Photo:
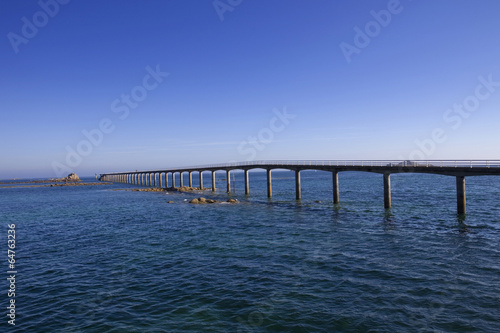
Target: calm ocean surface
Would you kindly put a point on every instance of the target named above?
(96, 259)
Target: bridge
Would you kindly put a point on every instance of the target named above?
(455, 168)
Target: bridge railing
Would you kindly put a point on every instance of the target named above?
(340, 163)
(373, 163)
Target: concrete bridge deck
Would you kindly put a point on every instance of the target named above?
(456, 168)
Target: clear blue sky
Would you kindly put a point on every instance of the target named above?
(231, 66)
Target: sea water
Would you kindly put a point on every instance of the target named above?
(104, 258)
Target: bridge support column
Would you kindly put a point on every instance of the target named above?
(247, 186)
(335, 177)
(190, 179)
(461, 199)
(228, 180)
(201, 179)
(298, 192)
(269, 184)
(387, 190)
(213, 181)
(173, 179)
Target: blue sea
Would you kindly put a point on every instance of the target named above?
(103, 259)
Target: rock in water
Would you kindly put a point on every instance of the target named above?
(72, 177)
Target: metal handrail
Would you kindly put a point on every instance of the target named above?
(322, 163)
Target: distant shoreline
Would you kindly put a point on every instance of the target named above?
(52, 185)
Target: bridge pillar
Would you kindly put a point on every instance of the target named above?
(247, 186)
(201, 179)
(298, 192)
(461, 199)
(269, 184)
(335, 177)
(190, 179)
(213, 181)
(387, 190)
(228, 180)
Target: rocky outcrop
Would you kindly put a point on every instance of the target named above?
(152, 189)
(187, 189)
(210, 201)
(72, 177)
